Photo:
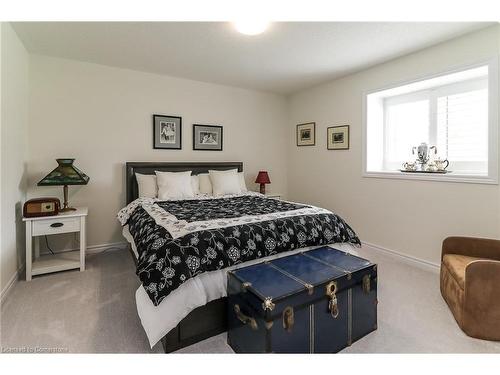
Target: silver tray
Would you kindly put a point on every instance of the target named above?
(430, 172)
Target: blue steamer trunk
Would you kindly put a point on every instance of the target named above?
(316, 301)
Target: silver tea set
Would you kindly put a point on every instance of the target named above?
(426, 160)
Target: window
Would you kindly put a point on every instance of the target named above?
(455, 112)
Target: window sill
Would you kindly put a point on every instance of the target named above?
(449, 177)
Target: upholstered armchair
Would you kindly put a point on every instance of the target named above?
(470, 284)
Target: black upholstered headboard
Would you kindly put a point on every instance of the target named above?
(151, 167)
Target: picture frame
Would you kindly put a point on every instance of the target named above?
(167, 132)
(338, 137)
(207, 137)
(306, 134)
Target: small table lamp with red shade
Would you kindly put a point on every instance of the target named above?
(263, 179)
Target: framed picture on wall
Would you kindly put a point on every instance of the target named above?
(338, 137)
(207, 137)
(167, 132)
(306, 134)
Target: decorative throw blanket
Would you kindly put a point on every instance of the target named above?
(177, 240)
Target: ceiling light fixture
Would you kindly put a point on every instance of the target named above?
(251, 27)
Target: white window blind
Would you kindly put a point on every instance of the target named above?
(462, 129)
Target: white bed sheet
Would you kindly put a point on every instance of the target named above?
(157, 321)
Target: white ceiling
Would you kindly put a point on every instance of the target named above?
(288, 57)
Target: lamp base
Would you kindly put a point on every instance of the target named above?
(66, 207)
(263, 188)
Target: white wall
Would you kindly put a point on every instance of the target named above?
(412, 217)
(102, 116)
(14, 122)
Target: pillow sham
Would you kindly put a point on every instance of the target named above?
(147, 185)
(205, 184)
(174, 185)
(243, 185)
(195, 184)
(225, 182)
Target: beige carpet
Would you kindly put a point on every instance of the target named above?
(94, 311)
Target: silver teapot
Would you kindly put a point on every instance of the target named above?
(423, 153)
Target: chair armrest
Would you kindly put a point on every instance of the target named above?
(473, 247)
(482, 297)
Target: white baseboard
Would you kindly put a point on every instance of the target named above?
(10, 285)
(94, 249)
(434, 267)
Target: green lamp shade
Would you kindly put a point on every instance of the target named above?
(65, 174)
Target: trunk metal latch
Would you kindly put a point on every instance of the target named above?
(245, 319)
(366, 284)
(331, 290)
(288, 318)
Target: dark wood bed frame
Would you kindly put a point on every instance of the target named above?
(205, 321)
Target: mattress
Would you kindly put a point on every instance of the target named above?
(157, 321)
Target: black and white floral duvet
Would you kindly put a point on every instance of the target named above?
(178, 240)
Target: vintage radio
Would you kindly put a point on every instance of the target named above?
(41, 207)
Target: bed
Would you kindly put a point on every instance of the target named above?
(183, 302)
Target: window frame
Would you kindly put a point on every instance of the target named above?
(493, 108)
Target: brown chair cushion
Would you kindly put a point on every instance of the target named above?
(456, 265)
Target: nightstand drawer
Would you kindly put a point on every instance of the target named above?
(56, 225)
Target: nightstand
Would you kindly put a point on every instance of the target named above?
(66, 222)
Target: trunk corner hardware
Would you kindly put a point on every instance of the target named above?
(268, 304)
(245, 286)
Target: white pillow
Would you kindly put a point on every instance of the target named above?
(174, 185)
(147, 185)
(225, 182)
(205, 184)
(195, 184)
(243, 185)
